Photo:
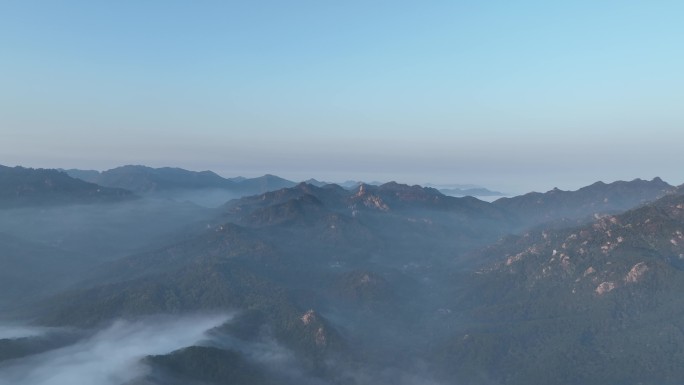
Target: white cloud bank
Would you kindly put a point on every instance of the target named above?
(20, 331)
(111, 356)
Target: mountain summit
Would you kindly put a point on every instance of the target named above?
(582, 204)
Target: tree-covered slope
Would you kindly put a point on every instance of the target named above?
(598, 198)
(594, 304)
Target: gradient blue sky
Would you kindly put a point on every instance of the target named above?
(513, 95)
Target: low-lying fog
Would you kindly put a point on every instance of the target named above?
(110, 356)
(10, 331)
(105, 231)
(208, 198)
(113, 355)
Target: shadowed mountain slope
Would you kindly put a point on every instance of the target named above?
(598, 198)
(142, 179)
(595, 304)
(23, 187)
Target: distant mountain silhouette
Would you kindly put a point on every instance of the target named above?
(460, 190)
(142, 179)
(86, 175)
(315, 182)
(598, 198)
(477, 192)
(262, 184)
(21, 187)
(166, 180)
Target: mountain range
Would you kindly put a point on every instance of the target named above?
(44, 187)
(201, 187)
(598, 198)
(384, 283)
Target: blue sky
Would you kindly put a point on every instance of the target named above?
(513, 95)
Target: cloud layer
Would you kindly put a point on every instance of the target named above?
(111, 356)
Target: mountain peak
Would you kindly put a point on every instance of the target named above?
(598, 197)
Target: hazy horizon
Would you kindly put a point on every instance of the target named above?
(514, 97)
(446, 184)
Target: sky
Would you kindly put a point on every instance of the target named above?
(512, 95)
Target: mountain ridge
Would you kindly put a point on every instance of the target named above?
(20, 187)
(144, 179)
(582, 204)
(339, 276)
(594, 304)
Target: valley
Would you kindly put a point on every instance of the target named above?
(324, 284)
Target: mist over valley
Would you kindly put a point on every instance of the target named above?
(324, 284)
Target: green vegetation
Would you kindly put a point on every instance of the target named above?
(211, 365)
(548, 305)
(378, 283)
